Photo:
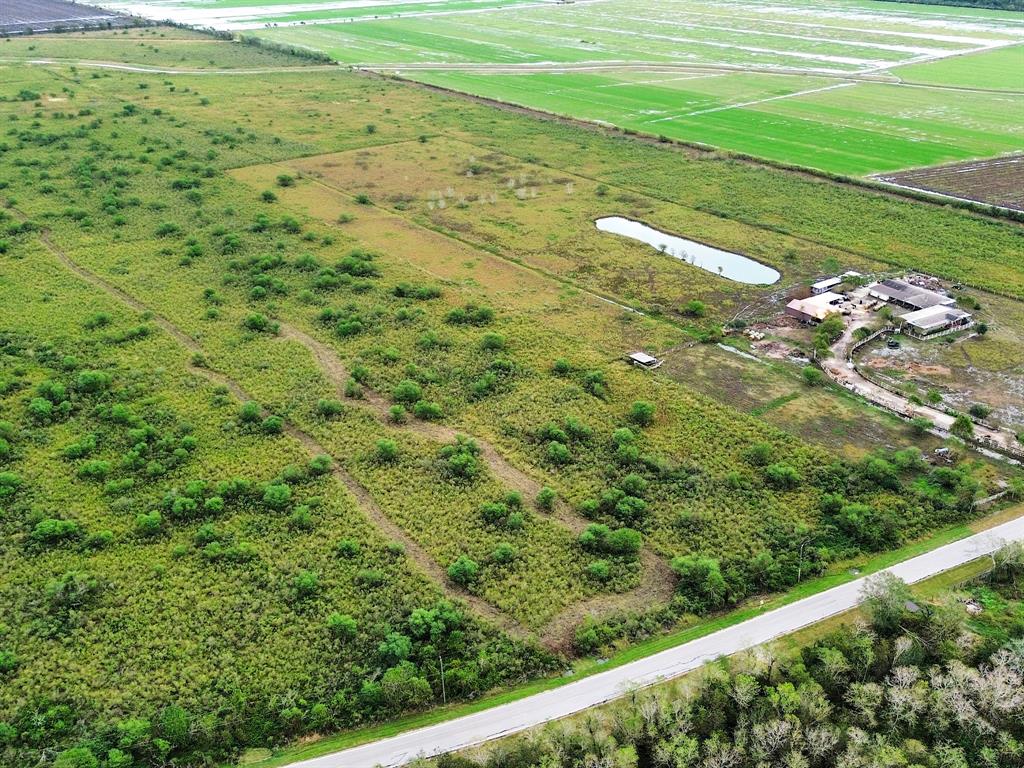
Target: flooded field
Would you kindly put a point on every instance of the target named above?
(732, 266)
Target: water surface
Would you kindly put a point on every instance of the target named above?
(732, 266)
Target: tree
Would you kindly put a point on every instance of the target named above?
(79, 757)
(402, 688)
(464, 571)
(701, 584)
(885, 600)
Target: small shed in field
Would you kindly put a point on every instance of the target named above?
(643, 360)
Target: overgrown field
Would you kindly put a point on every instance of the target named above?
(796, 82)
(281, 435)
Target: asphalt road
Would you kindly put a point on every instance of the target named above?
(596, 689)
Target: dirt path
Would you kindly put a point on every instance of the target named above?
(362, 496)
(656, 586)
(657, 582)
(839, 367)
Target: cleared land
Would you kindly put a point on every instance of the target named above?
(797, 82)
(28, 16)
(999, 181)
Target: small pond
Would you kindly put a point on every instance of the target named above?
(729, 265)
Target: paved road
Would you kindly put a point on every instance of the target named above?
(588, 692)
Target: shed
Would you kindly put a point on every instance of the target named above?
(825, 285)
(643, 360)
(924, 322)
(908, 295)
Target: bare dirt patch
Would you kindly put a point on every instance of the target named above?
(995, 181)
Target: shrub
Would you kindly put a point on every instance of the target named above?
(782, 476)
(503, 553)
(557, 453)
(277, 495)
(259, 324)
(464, 571)
(8, 662)
(962, 427)
(285, 180)
(642, 413)
(272, 425)
(347, 548)
(407, 391)
(250, 413)
(149, 524)
(759, 454)
(599, 570)
(55, 531)
(79, 757)
(561, 367)
(341, 626)
(387, 450)
(979, 410)
(695, 308)
(319, 465)
(301, 518)
(328, 408)
(427, 411)
(470, 314)
(306, 584)
(492, 342)
(546, 498)
(812, 376)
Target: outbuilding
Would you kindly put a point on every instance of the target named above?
(932, 320)
(644, 360)
(908, 295)
(814, 309)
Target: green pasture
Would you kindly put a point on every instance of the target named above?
(851, 128)
(999, 69)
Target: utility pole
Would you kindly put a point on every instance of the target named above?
(444, 693)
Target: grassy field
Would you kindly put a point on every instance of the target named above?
(211, 277)
(826, 88)
(701, 72)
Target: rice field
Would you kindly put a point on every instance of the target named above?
(849, 86)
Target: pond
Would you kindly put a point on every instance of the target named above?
(732, 266)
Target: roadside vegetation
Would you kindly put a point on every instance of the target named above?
(935, 683)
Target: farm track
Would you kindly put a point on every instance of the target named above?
(657, 582)
(362, 496)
